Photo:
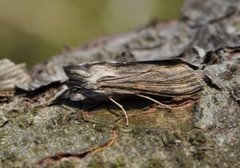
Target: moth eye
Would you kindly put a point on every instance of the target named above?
(73, 89)
(77, 97)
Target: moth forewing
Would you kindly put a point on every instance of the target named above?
(178, 80)
(174, 78)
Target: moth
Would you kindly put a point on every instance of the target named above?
(174, 79)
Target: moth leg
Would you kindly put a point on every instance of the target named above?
(120, 106)
(155, 101)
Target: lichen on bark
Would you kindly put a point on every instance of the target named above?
(202, 133)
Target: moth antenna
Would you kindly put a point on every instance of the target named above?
(120, 106)
(155, 101)
(57, 95)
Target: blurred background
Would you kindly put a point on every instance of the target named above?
(31, 30)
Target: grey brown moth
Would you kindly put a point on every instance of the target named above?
(173, 78)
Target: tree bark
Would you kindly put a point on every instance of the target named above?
(203, 133)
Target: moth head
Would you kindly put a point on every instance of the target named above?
(76, 71)
(87, 76)
(80, 77)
